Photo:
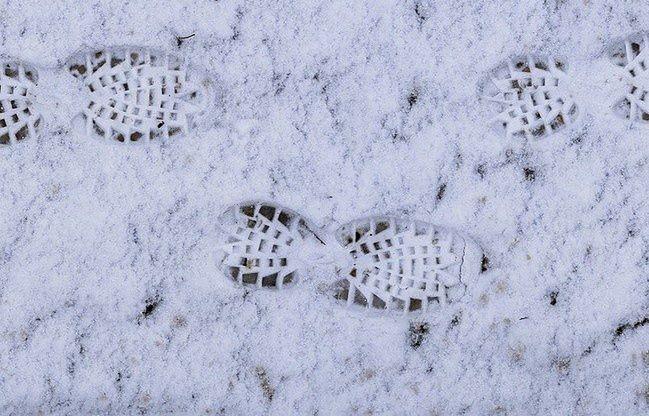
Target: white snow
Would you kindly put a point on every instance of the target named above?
(111, 300)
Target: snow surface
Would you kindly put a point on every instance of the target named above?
(111, 301)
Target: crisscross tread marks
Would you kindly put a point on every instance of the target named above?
(137, 94)
(534, 102)
(400, 265)
(18, 119)
(632, 56)
(261, 244)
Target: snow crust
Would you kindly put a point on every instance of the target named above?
(111, 301)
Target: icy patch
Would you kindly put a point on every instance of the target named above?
(18, 119)
(138, 94)
(533, 99)
(631, 55)
(404, 265)
(265, 244)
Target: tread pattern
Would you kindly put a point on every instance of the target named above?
(400, 265)
(18, 119)
(262, 244)
(137, 94)
(534, 103)
(632, 56)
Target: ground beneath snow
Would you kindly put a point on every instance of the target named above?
(111, 301)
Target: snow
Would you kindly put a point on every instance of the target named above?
(312, 110)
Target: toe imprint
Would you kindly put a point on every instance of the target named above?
(18, 119)
(401, 265)
(534, 101)
(137, 94)
(263, 244)
(631, 55)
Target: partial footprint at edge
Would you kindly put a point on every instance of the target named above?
(534, 102)
(265, 244)
(18, 118)
(405, 265)
(137, 94)
(632, 56)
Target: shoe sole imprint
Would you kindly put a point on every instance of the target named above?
(405, 265)
(534, 102)
(631, 55)
(263, 244)
(18, 118)
(138, 93)
(385, 263)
